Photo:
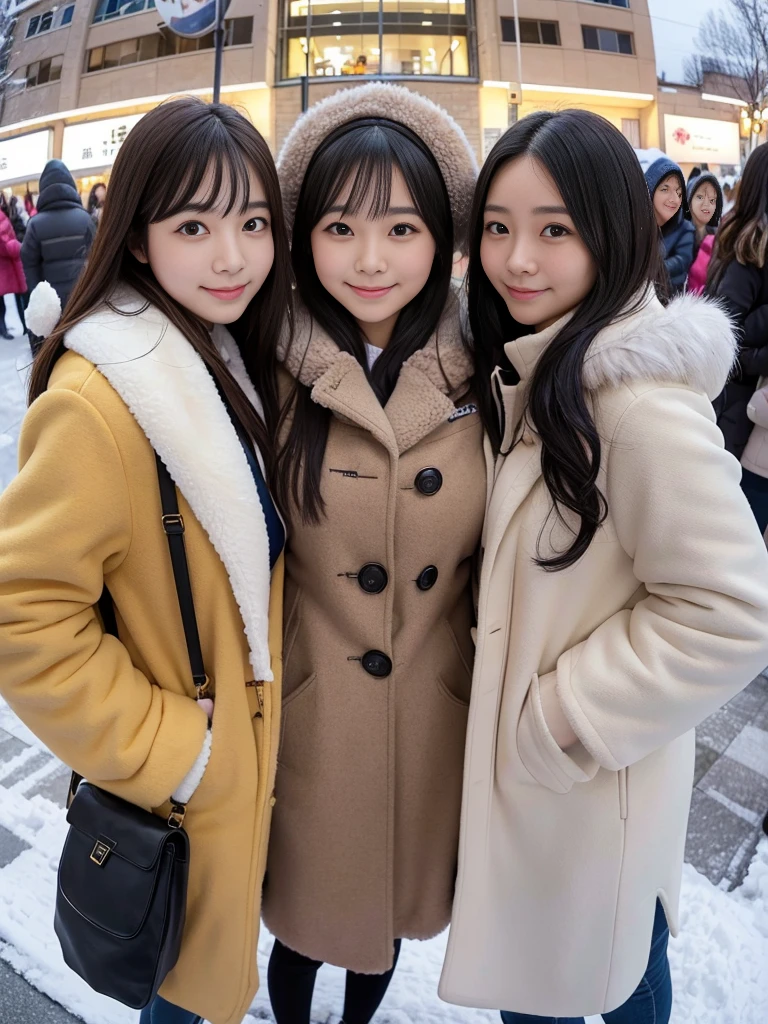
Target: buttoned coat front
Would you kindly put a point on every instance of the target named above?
(365, 829)
(84, 510)
(664, 618)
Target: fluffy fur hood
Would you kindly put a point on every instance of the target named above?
(445, 139)
(444, 360)
(690, 342)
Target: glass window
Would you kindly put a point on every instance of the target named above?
(550, 35)
(33, 25)
(165, 43)
(538, 32)
(608, 40)
(32, 71)
(336, 38)
(56, 65)
(630, 129)
(613, 3)
(46, 20)
(43, 71)
(66, 14)
(107, 9)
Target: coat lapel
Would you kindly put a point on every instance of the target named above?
(174, 399)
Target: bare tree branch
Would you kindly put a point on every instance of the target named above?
(733, 48)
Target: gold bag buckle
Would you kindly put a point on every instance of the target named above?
(102, 850)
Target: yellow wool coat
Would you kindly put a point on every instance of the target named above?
(84, 510)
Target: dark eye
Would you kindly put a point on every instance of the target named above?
(255, 225)
(555, 231)
(192, 229)
(340, 229)
(402, 230)
(495, 228)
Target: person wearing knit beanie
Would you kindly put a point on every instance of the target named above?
(384, 474)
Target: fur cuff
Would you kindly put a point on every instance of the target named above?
(194, 776)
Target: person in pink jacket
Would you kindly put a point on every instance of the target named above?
(12, 281)
(705, 201)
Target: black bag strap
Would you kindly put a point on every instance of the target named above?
(173, 524)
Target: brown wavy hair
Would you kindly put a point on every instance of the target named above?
(156, 174)
(743, 235)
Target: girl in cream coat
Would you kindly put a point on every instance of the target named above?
(623, 594)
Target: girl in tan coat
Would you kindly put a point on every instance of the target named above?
(623, 591)
(386, 489)
(191, 240)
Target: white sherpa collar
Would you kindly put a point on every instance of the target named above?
(690, 342)
(174, 399)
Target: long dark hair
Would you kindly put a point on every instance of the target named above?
(93, 201)
(157, 173)
(598, 175)
(362, 153)
(743, 235)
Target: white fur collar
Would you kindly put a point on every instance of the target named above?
(690, 342)
(174, 399)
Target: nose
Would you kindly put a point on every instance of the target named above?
(369, 258)
(519, 260)
(228, 258)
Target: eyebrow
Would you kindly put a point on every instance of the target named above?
(256, 204)
(492, 208)
(398, 211)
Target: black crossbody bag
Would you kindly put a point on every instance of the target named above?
(122, 885)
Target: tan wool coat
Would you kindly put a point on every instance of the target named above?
(365, 830)
(84, 509)
(661, 621)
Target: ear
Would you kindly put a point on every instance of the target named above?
(137, 251)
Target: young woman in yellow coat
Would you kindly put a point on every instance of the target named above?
(192, 238)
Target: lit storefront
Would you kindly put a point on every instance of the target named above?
(398, 38)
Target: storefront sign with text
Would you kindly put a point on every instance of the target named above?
(23, 158)
(95, 144)
(696, 140)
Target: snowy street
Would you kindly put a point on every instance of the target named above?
(718, 961)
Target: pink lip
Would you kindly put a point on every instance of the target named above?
(371, 293)
(227, 294)
(524, 294)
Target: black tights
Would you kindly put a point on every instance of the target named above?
(291, 980)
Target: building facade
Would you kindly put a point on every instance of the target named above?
(79, 74)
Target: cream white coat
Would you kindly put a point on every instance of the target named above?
(665, 617)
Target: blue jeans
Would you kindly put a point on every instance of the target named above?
(161, 1012)
(650, 1003)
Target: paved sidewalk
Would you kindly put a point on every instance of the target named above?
(730, 795)
(22, 1004)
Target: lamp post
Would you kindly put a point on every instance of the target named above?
(753, 120)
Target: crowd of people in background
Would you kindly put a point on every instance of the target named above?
(715, 242)
(45, 237)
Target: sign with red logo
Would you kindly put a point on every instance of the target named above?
(696, 140)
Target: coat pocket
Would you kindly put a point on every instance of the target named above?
(292, 730)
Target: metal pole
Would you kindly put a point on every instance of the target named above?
(218, 38)
(305, 76)
(519, 52)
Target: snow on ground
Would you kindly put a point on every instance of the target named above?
(15, 358)
(718, 961)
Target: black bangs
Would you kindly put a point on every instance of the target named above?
(361, 158)
(209, 154)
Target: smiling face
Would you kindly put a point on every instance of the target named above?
(530, 250)
(667, 199)
(374, 267)
(704, 204)
(210, 261)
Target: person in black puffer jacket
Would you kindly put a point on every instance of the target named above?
(60, 234)
(670, 205)
(738, 276)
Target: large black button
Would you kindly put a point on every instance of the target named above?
(372, 578)
(427, 578)
(377, 664)
(429, 481)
